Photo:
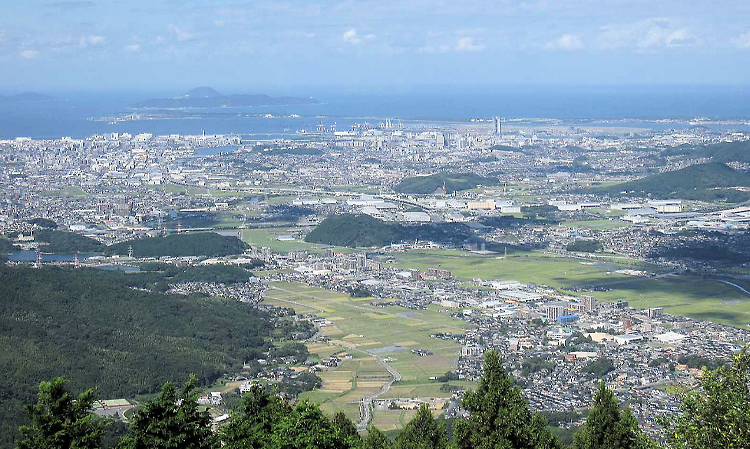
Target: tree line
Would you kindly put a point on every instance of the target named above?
(90, 327)
(716, 415)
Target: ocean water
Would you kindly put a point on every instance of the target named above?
(68, 114)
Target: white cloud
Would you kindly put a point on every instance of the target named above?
(434, 49)
(742, 41)
(29, 54)
(133, 48)
(351, 37)
(658, 32)
(181, 35)
(91, 40)
(565, 42)
(467, 44)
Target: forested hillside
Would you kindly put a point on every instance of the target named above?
(87, 326)
(364, 231)
(194, 244)
(452, 182)
(709, 182)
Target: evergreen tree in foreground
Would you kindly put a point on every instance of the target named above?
(172, 421)
(423, 432)
(377, 440)
(500, 416)
(269, 422)
(718, 416)
(253, 428)
(608, 427)
(60, 422)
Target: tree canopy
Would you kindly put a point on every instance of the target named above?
(60, 421)
(718, 415)
(500, 416)
(608, 427)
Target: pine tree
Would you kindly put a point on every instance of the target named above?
(345, 430)
(423, 432)
(718, 416)
(60, 422)
(305, 428)
(608, 427)
(377, 440)
(172, 420)
(253, 428)
(500, 417)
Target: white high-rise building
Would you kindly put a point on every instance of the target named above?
(498, 126)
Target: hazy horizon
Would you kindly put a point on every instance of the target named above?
(170, 45)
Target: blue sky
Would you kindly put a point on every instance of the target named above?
(289, 44)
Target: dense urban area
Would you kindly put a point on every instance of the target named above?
(385, 260)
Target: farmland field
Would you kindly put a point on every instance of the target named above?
(686, 295)
(365, 332)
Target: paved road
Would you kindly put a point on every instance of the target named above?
(365, 405)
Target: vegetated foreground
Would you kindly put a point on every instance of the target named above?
(499, 417)
(88, 326)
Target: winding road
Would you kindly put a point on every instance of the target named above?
(365, 405)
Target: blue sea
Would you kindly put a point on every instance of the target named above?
(70, 114)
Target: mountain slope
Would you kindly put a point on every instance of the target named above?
(177, 245)
(707, 182)
(87, 326)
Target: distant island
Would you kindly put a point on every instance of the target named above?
(207, 97)
(24, 97)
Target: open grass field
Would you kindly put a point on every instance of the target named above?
(704, 299)
(268, 237)
(538, 268)
(364, 332)
(684, 295)
(69, 191)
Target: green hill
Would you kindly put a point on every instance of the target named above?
(365, 231)
(713, 181)
(66, 242)
(177, 245)
(718, 152)
(6, 246)
(354, 231)
(87, 326)
(453, 182)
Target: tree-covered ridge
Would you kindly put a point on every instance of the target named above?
(584, 246)
(156, 276)
(365, 231)
(452, 182)
(6, 246)
(86, 326)
(736, 151)
(710, 181)
(176, 245)
(43, 223)
(355, 230)
(53, 241)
